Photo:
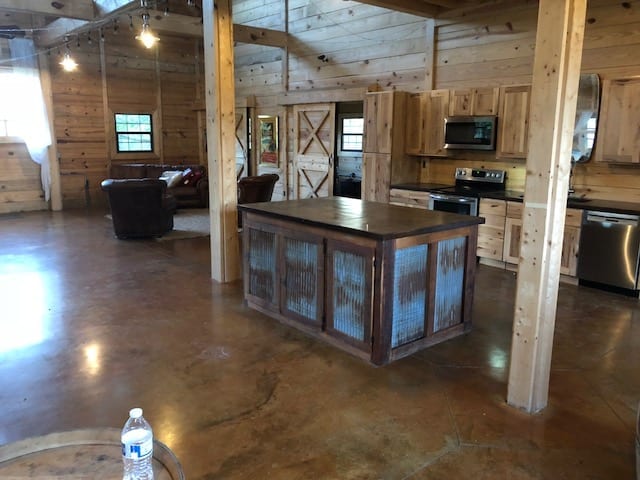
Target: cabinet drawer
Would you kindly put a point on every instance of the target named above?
(409, 198)
(573, 217)
(514, 209)
(492, 207)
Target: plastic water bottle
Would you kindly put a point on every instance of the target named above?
(137, 447)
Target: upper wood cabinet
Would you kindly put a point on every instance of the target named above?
(618, 134)
(384, 160)
(425, 114)
(474, 101)
(513, 122)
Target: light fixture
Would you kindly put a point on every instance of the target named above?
(146, 36)
(68, 63)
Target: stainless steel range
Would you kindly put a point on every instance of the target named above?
(463, 197)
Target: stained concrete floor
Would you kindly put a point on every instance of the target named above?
(91, 326)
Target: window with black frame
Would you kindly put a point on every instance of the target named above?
(134, 132)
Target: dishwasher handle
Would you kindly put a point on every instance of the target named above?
(609, 219)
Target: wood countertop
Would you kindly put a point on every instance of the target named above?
(361, 217)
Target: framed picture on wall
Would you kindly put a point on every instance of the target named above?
(268, 135)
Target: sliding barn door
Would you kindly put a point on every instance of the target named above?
(314, 127)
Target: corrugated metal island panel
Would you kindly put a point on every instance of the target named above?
(349, 294)
(301, 266)
(449, 283)
(262, 265)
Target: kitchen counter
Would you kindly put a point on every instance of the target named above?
(377, 280)
(577, 202)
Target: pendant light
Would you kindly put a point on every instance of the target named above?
(146, 36)
(67, 62)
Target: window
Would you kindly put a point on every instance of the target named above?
(351, 134)
(134, 132)
(10, 104)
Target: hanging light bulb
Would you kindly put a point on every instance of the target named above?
(146, 36)
(67, 62)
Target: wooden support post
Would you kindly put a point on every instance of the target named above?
(220, 105)
(556, 72)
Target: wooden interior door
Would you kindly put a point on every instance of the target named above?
(314, 127)
(242, 144)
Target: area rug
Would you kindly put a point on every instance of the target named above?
(187, 223)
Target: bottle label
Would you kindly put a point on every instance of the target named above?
(139, 450)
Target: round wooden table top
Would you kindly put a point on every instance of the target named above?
(79, 454)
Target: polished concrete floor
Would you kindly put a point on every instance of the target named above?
(91, 326)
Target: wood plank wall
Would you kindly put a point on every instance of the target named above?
(165, 81)
(20, 187)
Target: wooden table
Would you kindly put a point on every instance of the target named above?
(93, 453)
(380, 281)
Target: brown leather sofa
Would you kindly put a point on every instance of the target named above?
(189, 193)
(140, 207)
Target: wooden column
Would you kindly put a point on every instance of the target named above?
(556, 72)
(220, 106)
(430, 54)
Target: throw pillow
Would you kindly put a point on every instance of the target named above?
(173, 178)
(191, 177)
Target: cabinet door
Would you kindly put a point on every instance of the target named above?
(302, 275)
(513, 124)
(460, 102)
(349, 292)
(484, 101)
(570, 244)
(376, 175)
(378, 111)
(414, 143)
(261, 280)
(618, 132)
(512, 232)
(437, 110)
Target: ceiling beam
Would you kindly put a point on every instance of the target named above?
(413, 7)
(260, 36)
(79, 9)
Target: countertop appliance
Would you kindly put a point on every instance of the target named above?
(470, 132)
(463, 196)
(610, 250)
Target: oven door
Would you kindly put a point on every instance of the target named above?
(454, 204)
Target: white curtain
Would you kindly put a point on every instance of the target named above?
(31, 120)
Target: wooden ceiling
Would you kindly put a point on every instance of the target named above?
(48, 21)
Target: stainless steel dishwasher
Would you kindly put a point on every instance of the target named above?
(610, 249)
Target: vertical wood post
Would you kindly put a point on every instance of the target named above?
(52, 151)
(556, 73)
(430, 54)
(221, 123)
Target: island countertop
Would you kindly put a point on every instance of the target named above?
(371, 219)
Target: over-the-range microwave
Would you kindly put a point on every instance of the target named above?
(470, 132)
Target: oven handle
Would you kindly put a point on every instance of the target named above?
(453, 199)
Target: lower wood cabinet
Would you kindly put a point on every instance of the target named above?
(491, 233)
(570, 242)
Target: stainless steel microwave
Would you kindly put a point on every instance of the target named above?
(470, 132)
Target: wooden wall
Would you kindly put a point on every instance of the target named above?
(120, 75)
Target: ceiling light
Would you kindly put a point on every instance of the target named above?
(146, 36)
(68, 63)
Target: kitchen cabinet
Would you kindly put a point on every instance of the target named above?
(570, 241)
(618, 134)
(409, 198)
(513, 123)
(384, 161)
(491, 233)
(425, 116)
(474, 101)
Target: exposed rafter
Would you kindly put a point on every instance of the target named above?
(81, 9)
(414, 7)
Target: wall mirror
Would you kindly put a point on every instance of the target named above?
(587, 107)
(268, 140)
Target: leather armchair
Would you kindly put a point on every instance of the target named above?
(255, 189)
(140, 207)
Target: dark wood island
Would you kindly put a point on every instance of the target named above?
(380, 281)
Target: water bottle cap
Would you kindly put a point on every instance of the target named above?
(135, 412)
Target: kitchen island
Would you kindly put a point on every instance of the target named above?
(379, 281)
